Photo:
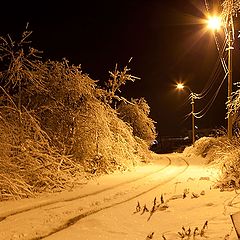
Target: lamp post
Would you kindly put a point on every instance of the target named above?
(181, 86)
(215, 24)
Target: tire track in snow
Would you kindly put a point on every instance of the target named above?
(48, 203)
(74, 220)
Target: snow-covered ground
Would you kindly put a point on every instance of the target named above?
(177, 192)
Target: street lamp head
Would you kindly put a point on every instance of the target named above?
(180, 86)
(214, 23)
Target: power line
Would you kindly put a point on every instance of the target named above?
(214, 76)
(204, 111)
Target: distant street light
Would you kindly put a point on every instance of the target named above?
(181, 86)
(215, 24)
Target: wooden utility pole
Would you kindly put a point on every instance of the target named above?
(193, 118)
(230, 50)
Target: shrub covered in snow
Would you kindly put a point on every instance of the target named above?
(229, 160)
(206, 147)
(222, 152)
(136, 114)
(56, 124)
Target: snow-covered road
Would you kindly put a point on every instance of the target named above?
(175, 190)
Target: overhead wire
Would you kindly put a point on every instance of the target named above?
(221, 51)
(214, 76)
(212, 81)
(186, 101)
(186, 117)
(204, 111)
(215, 73)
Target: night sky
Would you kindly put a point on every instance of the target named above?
(166, 40)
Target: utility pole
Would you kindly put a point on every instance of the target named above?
(181, 86)
(227, 21)
(230, 49)
(193, 118)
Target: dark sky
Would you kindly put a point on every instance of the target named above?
(166, 40)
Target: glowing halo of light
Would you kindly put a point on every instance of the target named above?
(180, 86)
(214, 23)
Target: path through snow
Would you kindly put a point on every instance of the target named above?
(177, 193)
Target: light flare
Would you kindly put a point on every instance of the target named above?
(214, 23)
(180, 86)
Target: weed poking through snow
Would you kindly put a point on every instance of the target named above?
(138, 208)
(161, 199)
(191, 234)
(160, 206)
(150, 236)
(145, 209)
(163, 237)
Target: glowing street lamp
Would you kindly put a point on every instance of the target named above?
(215, 23)
(181, 86)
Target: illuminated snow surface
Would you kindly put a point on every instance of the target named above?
(106, 207)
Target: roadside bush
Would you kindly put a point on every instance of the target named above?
(229, 161)
(103, 141)
(224, 154)
(57, 126)
(28, 163)
(136, 114)
(206, 147)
